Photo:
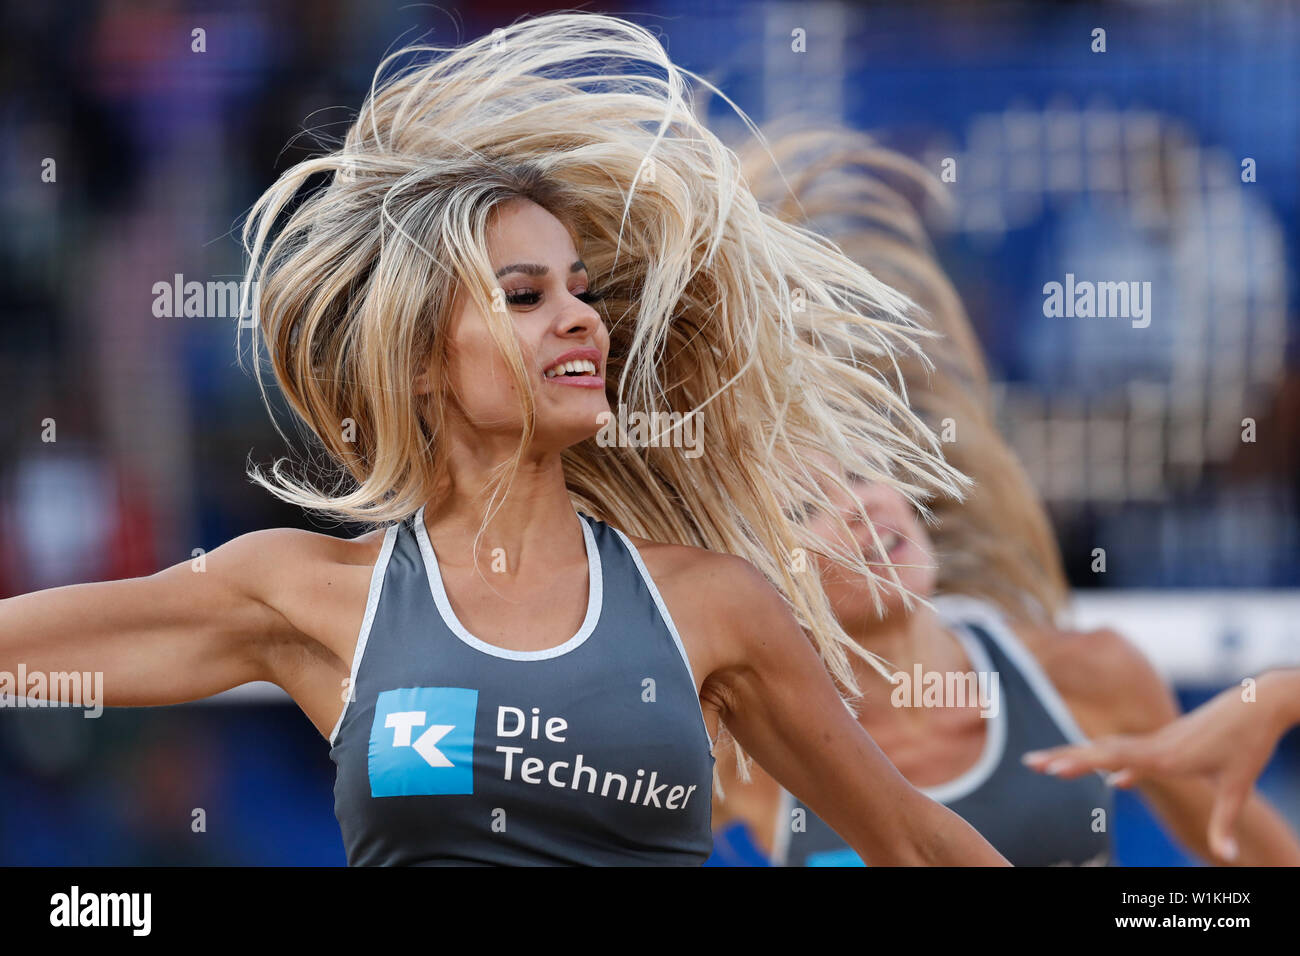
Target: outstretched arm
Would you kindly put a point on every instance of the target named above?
(1114, 690)
(778, 701)
(1227, 741)
(175, 636)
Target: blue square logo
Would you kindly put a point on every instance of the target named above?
(422, 741)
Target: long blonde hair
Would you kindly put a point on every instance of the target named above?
(997, 543)
(716, 308)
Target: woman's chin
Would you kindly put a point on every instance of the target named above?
(557, 436)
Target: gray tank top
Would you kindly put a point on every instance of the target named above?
(1030, 818)
(453, 751)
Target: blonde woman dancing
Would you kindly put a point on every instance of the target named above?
(530, 658)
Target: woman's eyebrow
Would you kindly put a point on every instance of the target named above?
(534, 269)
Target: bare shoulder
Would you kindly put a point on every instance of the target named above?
(669, 559)
(715, 599)
(307, 593)
(313, 581)
(269, 561)
(272, 545)
(721, 580)
(1106, 680)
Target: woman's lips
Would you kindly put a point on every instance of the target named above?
(892, 544)
(579, 381)
(578, 367)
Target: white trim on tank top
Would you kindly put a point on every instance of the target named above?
(372, 606)
(595, 597)
(992, 620)
(668, 622)
(950, 791)
(995, 741)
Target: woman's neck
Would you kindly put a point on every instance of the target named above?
(532, 523)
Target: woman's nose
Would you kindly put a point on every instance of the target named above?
(578, 320)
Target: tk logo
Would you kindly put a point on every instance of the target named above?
(422, 742)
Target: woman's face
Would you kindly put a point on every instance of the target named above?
(563, 339)
(904, 541)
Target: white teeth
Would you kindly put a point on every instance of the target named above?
(585, 366)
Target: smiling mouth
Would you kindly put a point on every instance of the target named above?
(891, 542)
(573, 369)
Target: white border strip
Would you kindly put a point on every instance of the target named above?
(995, 743)
(595, 598)
(668, 622)
(1211, 638)
(372, 607)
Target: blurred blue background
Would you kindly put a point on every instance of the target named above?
(1120, 165)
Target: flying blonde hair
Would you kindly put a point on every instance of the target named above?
(997, 543)
(716, 308)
